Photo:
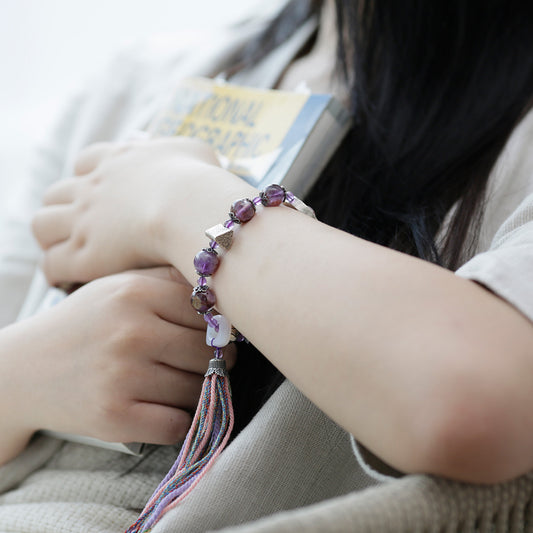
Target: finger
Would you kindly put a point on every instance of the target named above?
(62, 192)
(165, 385)
(169, 300)
(172, 304)
(91, 156)
(187, 350)
(176, 306)
(156, 424)
(52, 224)
(62, 263)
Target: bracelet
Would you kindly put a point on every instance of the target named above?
(213, 421)
(206, 262)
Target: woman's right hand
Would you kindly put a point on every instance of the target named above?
(121, 359)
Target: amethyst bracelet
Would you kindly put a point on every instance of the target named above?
(206, 262)
(213, 421)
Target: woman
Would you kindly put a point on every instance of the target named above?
(426, 369)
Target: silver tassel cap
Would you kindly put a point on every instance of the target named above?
(218, 367)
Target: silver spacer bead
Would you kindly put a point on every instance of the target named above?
(300, 206)
(221, 235)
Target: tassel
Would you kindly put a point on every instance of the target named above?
(207, 437)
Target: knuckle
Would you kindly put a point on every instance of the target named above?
(122, 340)
(82, 204)
(91, 157)
(80, 270)
(126, 286)
(130, 336)
(121, 148)
(173, 274)
(95, 178)
(50, 194)
(79, 165)
(131, 282)
(109, 410)
(47, 266)
(78, 238)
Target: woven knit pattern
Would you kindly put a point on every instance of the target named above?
(414, 504)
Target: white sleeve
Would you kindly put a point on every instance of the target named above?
(19, 252)
(506, 268)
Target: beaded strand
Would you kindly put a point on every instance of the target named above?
(206, 262)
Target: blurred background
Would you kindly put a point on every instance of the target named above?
(48, 47)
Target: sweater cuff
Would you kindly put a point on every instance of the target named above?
(36, 454)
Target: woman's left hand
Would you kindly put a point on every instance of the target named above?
(105, 219)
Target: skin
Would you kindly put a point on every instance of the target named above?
(121, 359)
(430, 371)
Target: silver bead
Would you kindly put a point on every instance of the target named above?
(221, 235)
(300, 206)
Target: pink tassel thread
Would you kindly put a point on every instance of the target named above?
(207, 437)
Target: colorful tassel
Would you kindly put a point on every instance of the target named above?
(207, 437)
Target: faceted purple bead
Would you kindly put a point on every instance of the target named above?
(243, 209)
(273, 195)
(203, 300)
(206, 262)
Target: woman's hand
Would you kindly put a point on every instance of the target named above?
(105, 220)
(121, 359)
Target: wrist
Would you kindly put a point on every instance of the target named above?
(179, 228)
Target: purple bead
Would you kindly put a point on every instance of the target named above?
(273, 195)
(243, 209)
(206, 262)
(208, 317)
(203, 300)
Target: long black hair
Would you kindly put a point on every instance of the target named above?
(435, 89)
